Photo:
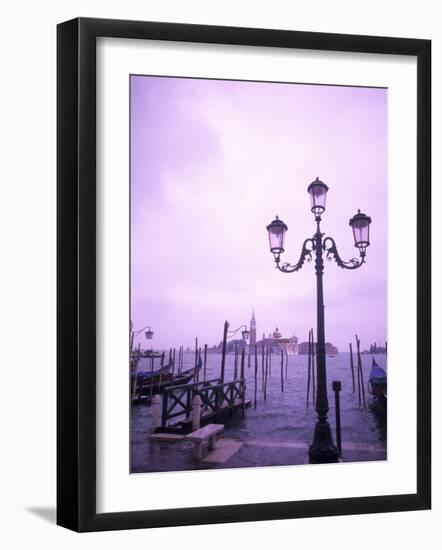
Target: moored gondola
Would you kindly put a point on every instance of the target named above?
(147, 383)
(377, 386)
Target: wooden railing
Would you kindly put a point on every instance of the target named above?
(216, 397)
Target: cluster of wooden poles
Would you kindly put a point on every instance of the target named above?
(263, 355)
(200, 361)
(266, 369)
(360, 374)
(239, 365)
(311, 371)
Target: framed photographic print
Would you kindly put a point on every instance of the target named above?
(243, 274)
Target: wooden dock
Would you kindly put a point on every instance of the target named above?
(218, 398)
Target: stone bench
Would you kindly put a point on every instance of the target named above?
(201, 435)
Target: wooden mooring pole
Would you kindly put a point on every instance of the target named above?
(256, 372)
(235, 365)
(196, 353)
(243, 382)
(198, 368)
(161, 370)
(282, 370)
(224, 349)
(151, 375)
(266, 374)
(313, 369)
(205, 362)
(359, 383)
(262, 367)
(337, 389)
(352, 367)
(358, 345)
(309, 365)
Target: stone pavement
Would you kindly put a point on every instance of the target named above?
(175, 454)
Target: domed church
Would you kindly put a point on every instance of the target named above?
(275, 342)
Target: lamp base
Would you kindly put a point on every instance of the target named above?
(323, 450)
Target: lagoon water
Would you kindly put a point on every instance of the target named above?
(280, 429)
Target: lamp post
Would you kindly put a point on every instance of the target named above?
(148, 334)
(227, 335)
(322, 449)
(245, 332)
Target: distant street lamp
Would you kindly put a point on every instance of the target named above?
(244, 333)
(227, 335)
(322, 449)
(148, 334)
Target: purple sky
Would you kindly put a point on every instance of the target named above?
(212, 163)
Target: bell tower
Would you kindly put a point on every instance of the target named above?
(252, 332)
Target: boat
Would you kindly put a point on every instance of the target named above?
(186, 376)
(183, 377)
(147, 383)
(150, 377)
(150, 353)
(377, 386)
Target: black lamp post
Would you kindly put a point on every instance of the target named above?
(227, 335)
(245, 332)
(322, 449)
(148, 334)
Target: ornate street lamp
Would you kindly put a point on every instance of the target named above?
(318, 194)
(322, 449)
(277, 231)
(244, 333)
(360, 223)
(148, 334)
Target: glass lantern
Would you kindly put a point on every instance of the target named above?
(318, 194)
(277, 231)
(360, 223)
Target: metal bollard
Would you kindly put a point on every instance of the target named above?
(156, 413)
(337, 389)
(196, 413)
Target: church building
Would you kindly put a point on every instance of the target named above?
(275, 342)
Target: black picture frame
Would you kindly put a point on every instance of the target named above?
(77, 287)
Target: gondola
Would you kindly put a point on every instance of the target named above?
(183, 377)
(377, 386)
(147, 383)
(186, 376)
(152, 377)
(152, 354)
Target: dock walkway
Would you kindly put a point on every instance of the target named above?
(217, 399)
